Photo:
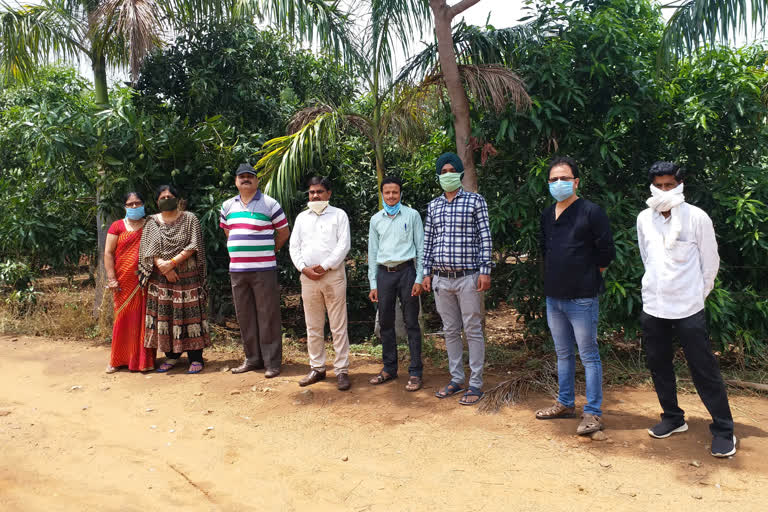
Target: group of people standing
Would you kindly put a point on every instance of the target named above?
(156, 268)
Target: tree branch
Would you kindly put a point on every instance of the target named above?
(461, 7)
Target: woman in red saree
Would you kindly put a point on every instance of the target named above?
(121, 260)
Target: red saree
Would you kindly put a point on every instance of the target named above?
(130, 305)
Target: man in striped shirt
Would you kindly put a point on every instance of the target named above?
(256, 228)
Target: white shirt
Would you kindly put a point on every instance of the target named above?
(677, 280)
(320, 239)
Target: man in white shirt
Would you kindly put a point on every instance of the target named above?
(679, 251)
(319, 243)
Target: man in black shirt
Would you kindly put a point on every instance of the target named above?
(577, 246)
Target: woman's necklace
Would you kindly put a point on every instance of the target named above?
(135, 225)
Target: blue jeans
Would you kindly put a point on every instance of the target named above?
(574, 322)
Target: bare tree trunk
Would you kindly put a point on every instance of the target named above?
(102, 100)
(444, 15)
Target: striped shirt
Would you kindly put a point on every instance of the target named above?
(252, 226)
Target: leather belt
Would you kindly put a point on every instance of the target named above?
(397, 268)
(456, 274)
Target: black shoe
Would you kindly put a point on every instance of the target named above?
(723, 446)
(245, 367)
(666, 428)
(271, 373)
(342, 382)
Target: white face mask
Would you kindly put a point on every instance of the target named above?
(317, 206)
(664, 201)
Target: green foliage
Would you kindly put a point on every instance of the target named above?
(253, 78)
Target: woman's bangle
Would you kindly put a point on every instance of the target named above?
(173, 260)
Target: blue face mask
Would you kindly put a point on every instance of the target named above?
(135, 213)
(561, 190)
(391, 210)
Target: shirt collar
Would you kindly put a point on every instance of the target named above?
(255, 197)
(461, 193)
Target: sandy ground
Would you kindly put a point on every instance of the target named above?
(216, 441)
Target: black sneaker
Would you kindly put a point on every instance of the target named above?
(723, 446)
(666, 428)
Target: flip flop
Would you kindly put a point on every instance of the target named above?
(195, 367)
(451, 389)
(472, 391)
(167, 365)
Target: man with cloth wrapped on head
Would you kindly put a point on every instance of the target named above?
(457, 265)
(679, 251)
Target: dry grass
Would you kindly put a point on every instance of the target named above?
(59, 312)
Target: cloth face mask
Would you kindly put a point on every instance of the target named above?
(317, 206)
(135, 213)
(391, 210)
(168, 204)
(450, 181)
(668, 201)
(561, 190)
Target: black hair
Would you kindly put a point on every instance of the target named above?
(128, 195)
(163, 188)
(320, 180)
(666, 169)
(564, 160)
(391, 179)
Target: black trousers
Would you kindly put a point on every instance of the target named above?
(194, 356)
(390, 286)
(691, 332)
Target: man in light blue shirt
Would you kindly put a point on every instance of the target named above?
(395, 249)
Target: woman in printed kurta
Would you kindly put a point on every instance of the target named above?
(172, 267)
(121, 258)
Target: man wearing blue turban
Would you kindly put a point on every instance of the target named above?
(457, 266)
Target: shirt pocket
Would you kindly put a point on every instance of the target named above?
(682, 251)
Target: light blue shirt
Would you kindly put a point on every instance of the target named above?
(394, 240)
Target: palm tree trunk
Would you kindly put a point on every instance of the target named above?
(102, 100)
(444, 14)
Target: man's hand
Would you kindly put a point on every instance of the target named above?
(318, 269)
(602, 269)
(172, 276)
(426, 283)
(416, 290)
(374, 295)
(483, 282)
(310, 273)
(164, 266)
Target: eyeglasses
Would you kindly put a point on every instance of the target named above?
(134, 204)
(561, 178)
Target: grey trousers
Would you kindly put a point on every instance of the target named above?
(257, 304)
(461, 305)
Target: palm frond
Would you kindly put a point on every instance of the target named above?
(709, 22)
(408, 114)
(284, 161)
(474, 45)
(134, 23)
(516, 390)
(395, 22)
(32, 34)
(492, 87)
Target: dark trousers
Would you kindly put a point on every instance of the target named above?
(194, 356)
(658, 334)
(392, 285)
(257, 304)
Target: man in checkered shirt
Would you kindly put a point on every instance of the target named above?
(457, 266)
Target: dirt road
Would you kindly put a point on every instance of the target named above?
(74, 438)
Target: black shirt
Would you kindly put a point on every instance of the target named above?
(574, 248)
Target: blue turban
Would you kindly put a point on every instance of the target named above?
(449, 158)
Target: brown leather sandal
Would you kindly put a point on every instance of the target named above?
(381, 378)
(414, 383)
(557, 410)
(589, 424)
